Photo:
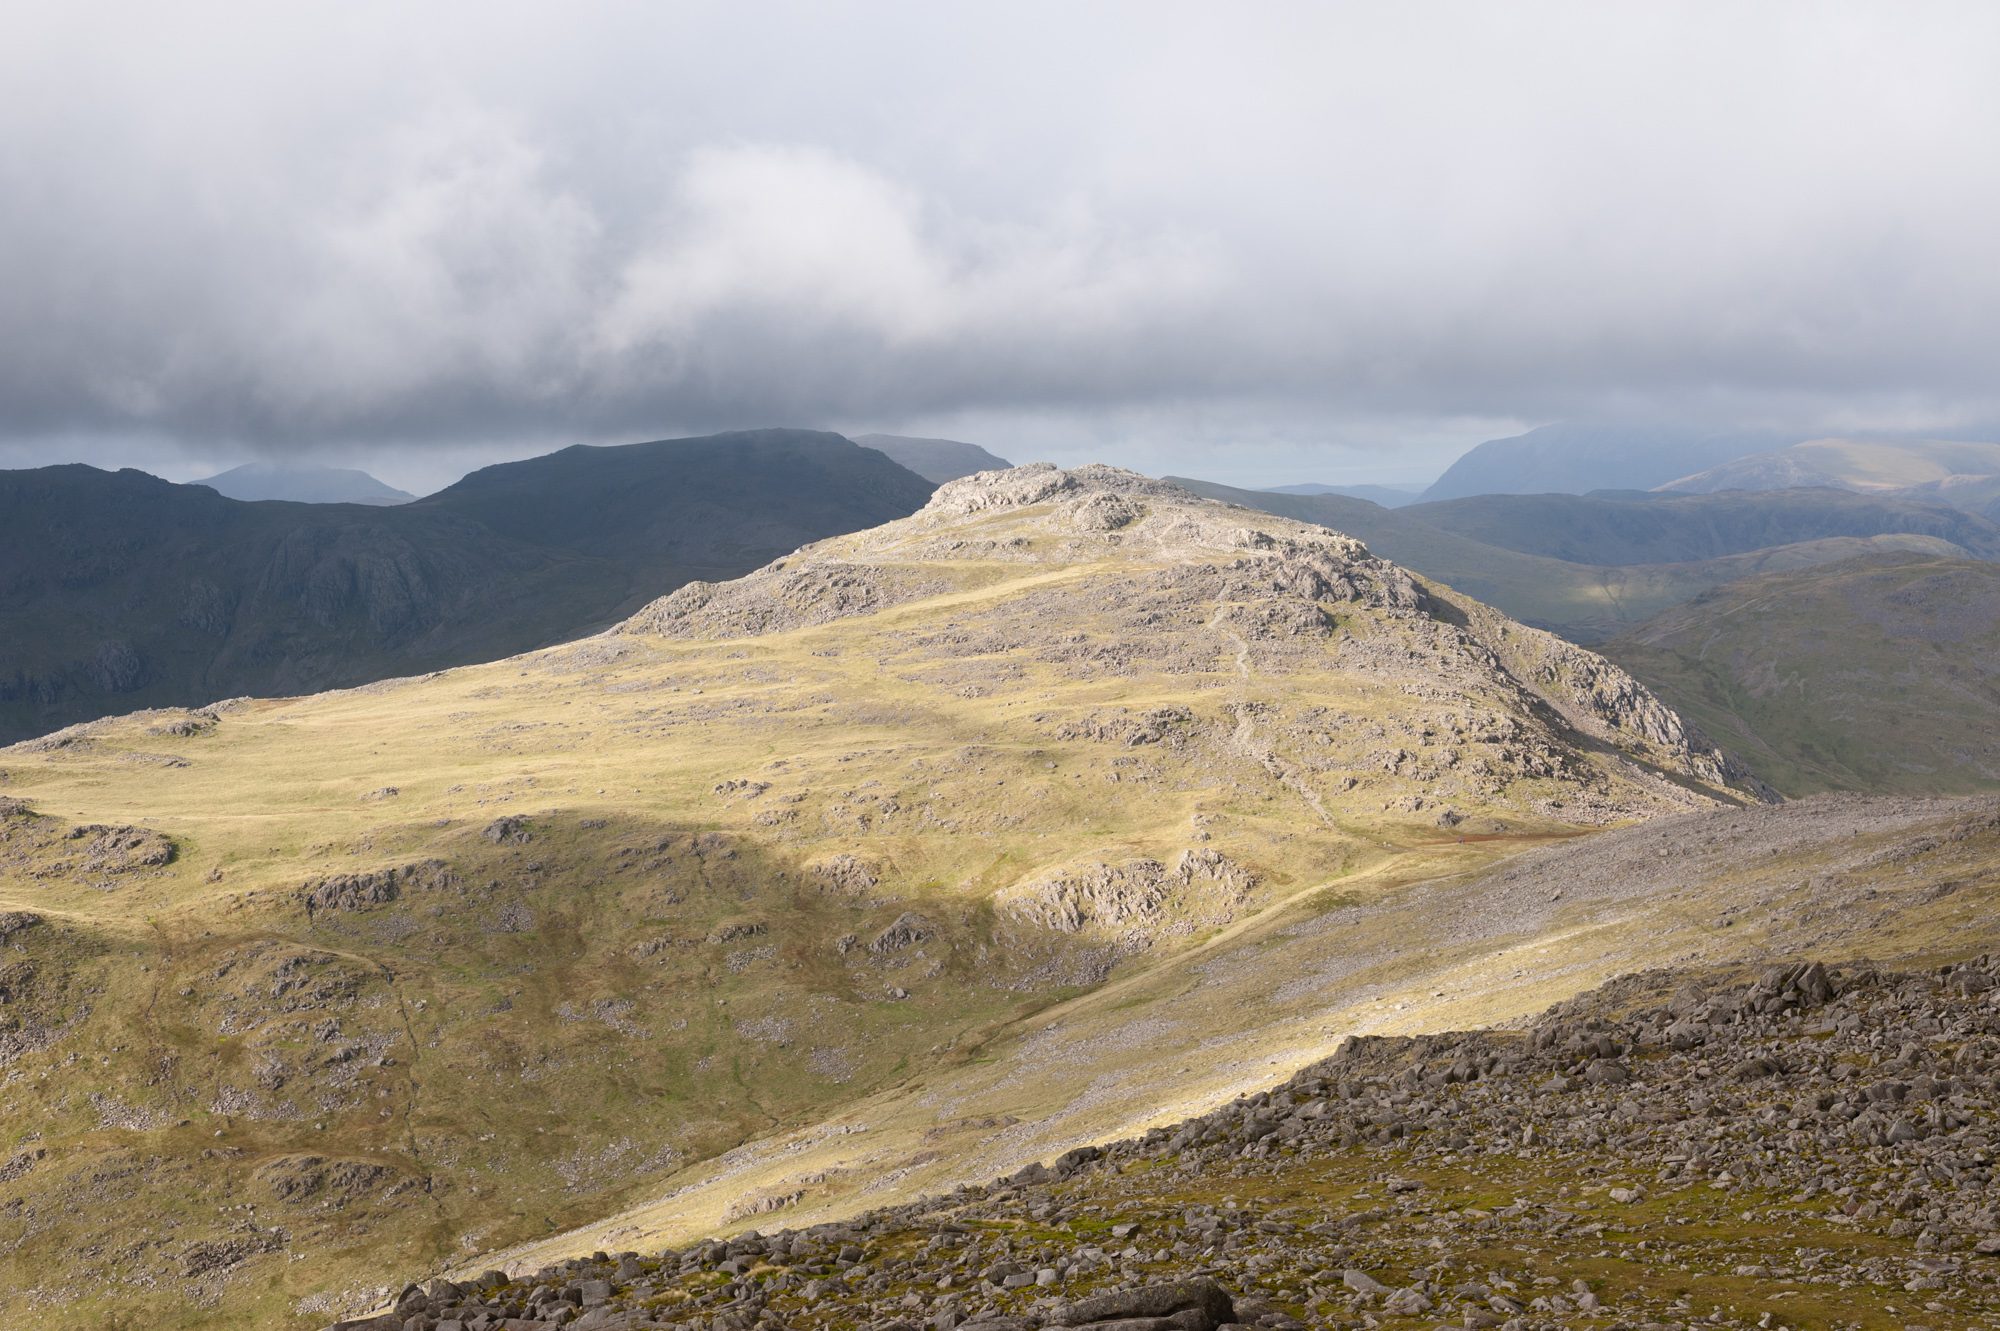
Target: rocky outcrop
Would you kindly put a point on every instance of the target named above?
(906, 930)
(844, 875)
(118, 850)
(1092, 485)
(375, 887)
(1134, 902)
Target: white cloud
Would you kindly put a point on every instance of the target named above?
(371, 226)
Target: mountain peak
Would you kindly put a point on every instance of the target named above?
(1041, 482)
(1094, 569)
(304, 483)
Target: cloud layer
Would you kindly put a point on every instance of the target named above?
(370, 225)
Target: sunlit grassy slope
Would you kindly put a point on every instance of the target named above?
(303, 990)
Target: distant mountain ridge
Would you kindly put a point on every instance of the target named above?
(1589, 602)
(938, 460)
(1960, 473)
(1388, 496)
(121, 590)
(303, 483)
(1627, 528)
(1576, 457)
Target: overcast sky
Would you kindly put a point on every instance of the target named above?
(1261, 242)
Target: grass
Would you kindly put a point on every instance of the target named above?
(1694, 1244)
(1870, 675)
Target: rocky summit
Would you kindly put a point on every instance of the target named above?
(1811, 1146)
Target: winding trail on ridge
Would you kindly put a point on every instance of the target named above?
(1244, 738)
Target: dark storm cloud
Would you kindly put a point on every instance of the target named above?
(366, 225)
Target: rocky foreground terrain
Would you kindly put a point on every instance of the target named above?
(1813, 1146)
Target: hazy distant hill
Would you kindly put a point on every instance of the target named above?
(120, 590)
(1973, 493)
(1878, 674)
(1388, 496)
(938, 460)
(1951, 471)
(1639, 528)
(303, 483)
(1585, 602)
(1578, 457)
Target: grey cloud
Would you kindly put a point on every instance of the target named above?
(463, 224)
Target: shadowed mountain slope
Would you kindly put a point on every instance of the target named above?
(937, 460)
(1878, 674)
(120, 590)
(440, 965)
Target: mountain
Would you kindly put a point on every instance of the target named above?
(979, 824)
(1880, 674)
(938, 460)
(1974, 493)
(1956, 472)
(1639, 528)
(1578, 457)
(303, 483)
(1583, 602)
(120, 590)
(1388, 496)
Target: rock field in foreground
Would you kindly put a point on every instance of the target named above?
(1814, 1147)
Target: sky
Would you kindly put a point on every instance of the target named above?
(1257, 242)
